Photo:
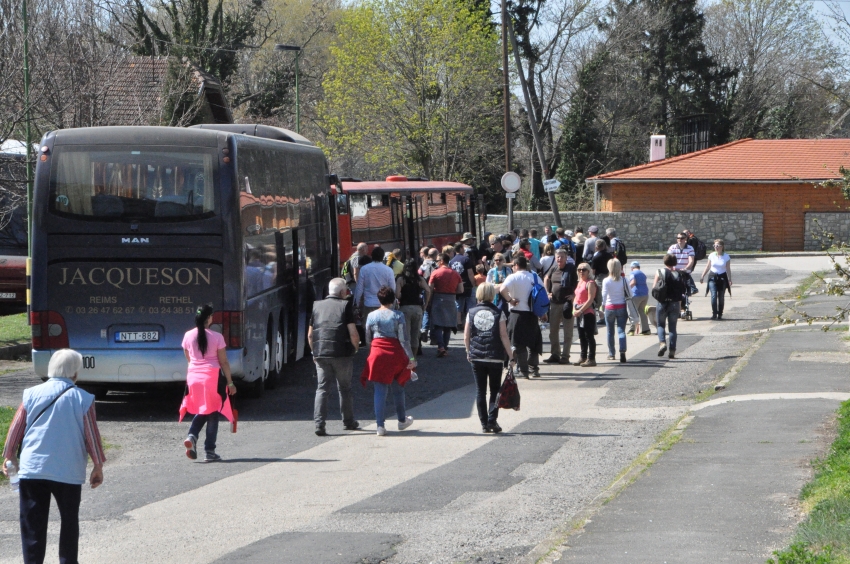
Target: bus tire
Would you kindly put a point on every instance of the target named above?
(256, 388)
(99, 392)
(270, 361)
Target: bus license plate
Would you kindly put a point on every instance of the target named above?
(136, 336)
(7, 295)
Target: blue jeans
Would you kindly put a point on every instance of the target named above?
(426, 321)
(464, 304)
(718, 295)
(667, 313)
(212, 429)
(381, 391)
(442, 334)
(618, 317)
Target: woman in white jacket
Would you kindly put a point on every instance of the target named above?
(614, 303)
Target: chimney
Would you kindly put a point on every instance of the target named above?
(657, 148)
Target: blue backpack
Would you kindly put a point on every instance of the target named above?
(538, 299)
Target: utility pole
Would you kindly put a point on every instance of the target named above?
(506, 104)
(297, 49)
(28, 119)
(535, 129)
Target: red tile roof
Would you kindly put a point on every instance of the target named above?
(761, 160)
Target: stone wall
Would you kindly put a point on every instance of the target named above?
(652, 231)
(837, 224)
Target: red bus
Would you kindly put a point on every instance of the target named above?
(402, 213)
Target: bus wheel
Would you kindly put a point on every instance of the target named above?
(99, 392)
(270, 364)
(278, 354)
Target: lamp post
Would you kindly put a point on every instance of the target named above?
(297, 49)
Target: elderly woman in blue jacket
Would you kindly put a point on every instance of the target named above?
(55, 428)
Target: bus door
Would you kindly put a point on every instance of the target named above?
(399, 232)
(302, 284)
(461, 220)
(474, 218)
(411, 221)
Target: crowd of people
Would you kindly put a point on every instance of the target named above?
(489, 292)
(483, 291)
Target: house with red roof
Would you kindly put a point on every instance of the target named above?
(779, 179)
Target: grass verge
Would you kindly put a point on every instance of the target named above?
(6, 414)
(14, 328)
(824, 537)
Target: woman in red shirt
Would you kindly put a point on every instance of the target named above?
(445, 284)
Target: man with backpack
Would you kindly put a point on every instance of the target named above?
(351, 267)
(523, 291)
(429, 265)
(669, 290)
(618, 248)
(561, 284)
(697, 245)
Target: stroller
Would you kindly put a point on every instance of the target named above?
(690, 290)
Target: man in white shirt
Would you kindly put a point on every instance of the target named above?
(523, 326)
(685, 260)
(372, 277)
(684, 253)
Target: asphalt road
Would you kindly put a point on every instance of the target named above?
(439, 492)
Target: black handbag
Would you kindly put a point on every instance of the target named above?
(508, 397)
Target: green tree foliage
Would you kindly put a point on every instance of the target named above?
(413, 87)
(189, 29)
(681, 78)
(581, 140)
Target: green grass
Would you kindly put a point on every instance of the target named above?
(824, 537)
(14, 328)
(6, 414)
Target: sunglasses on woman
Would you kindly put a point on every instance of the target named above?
(583, 269)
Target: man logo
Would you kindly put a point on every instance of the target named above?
(136, 240)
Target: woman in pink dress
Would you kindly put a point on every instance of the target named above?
(205, 351)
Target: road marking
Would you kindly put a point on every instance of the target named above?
(837, 396)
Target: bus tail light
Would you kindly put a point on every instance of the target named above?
(229, 323)
(48, 330)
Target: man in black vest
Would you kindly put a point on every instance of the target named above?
(334, 340)
(561, 284)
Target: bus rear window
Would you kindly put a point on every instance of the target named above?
(133, 183)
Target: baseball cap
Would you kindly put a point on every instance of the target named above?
(635, 264)
(593, 229)
(569, 233)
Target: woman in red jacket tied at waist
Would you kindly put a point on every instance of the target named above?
(205, 352)
(390, 359)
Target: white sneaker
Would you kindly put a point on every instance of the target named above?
(402, 425)
(381, 431)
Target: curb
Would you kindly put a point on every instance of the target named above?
(16, 351)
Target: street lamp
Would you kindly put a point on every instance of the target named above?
(297, 49)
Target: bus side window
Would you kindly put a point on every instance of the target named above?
(359, 217)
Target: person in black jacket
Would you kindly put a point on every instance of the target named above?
(561, 284)
(668, 311)
(487, 346)
(334, 339)
(599, 264)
